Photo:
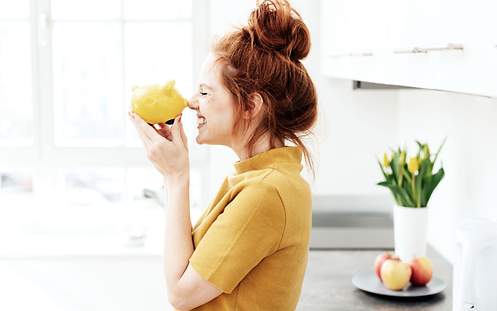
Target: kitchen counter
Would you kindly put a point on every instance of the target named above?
(328, 284)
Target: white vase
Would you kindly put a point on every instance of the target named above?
(410, 226)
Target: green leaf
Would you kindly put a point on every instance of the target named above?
(425, 167)
(420, 185)
(407, 175)
(439, 148)
(438, 177)
(394, 164)
(381, 167)
(434, 183)
(407, 197)
(427, 182)
(393, 189)
(420, 145)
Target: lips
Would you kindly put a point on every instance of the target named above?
(201, 120)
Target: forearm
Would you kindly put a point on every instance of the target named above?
(178, 246)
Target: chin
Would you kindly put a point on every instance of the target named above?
(214, 138)
(201, 139)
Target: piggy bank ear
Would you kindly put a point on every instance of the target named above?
(169, 85)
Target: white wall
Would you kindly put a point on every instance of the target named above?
(469, 156)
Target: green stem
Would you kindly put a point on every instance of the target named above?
(401, 175)
(413, 188)
(419, 197)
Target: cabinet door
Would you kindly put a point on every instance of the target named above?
(418, 23)
(353, 26)
(351, 31)
(437, 44)
(433, 26)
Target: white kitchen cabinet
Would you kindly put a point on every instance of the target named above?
(344, 29)
(433, 44)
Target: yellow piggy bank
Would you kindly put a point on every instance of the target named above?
(157, 103)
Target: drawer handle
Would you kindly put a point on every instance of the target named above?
(416, 50)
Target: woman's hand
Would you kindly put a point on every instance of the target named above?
(167, 148)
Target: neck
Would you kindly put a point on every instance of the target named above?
(262, 145)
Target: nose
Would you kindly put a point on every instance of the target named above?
(192, 103)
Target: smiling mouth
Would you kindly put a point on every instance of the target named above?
(201, 121)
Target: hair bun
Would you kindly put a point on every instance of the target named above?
(274, 25)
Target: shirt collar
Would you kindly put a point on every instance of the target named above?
(273, 158)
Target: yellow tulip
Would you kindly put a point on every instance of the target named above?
(413, 165)
(386, 161)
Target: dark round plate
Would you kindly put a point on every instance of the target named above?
(369, 282)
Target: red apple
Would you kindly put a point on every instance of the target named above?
(395, 274)
(380, 259)
(421, 271)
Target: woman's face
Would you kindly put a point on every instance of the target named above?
(214, 106)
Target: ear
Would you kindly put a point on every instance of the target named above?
(255, 106)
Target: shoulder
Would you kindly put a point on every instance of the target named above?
(262, 191)
(258, 197)
(286, 183)
(269, 185)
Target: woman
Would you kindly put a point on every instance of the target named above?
(249, 249)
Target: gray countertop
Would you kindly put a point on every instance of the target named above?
(328, 284)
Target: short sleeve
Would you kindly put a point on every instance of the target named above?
(249, 229)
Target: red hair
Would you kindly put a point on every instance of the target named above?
(264, 58)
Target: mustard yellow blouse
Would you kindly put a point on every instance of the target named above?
(252, 241)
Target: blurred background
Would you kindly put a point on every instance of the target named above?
(81, 207)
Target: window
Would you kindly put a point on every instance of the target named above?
(16, 109)
(68, 67)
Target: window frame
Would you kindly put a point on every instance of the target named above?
(43, 156)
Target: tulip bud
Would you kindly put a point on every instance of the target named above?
(386, 161)
(413, 165)
(426, 152)
(402, 159)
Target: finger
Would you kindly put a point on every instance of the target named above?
(175, 128)
(164, 131)
(139, 129)
(175, 131)
(143, 127)
(183, 135)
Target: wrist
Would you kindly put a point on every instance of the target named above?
(177, 179)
